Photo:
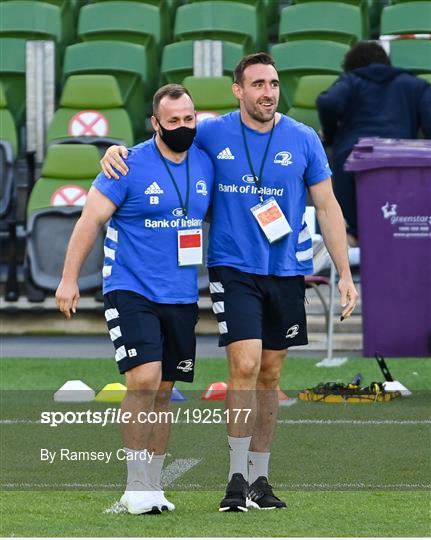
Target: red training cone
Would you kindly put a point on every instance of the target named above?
(215, 392)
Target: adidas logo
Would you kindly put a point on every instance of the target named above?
(154, 189)
(225, 154)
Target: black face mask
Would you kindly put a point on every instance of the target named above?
(178, 139)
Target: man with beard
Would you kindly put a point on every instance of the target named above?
(152, 246)
(259, 252)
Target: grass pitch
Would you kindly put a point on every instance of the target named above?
(345, 470)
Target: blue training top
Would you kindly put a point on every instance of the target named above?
(141, 252)
(295, 160)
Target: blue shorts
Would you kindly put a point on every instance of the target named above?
(143, 331)
(251, 306)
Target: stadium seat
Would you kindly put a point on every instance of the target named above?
(8, 199)
(266, 12)
(166, 8)
(177, 60)
(226, 21)
(310, 57)
(91, 111)
(406, 18)
(28, 19)
(55, 205)
(425, 76)
(134, 22)
(7, 125)
(412, 54)
(12, 76)
(304, 100)
(334, 21)
(127, 62)
(212, 96)
(364, 5)
(69, 14)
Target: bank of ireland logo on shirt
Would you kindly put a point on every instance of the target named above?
(283, 158)
(178, 212)
(154, 190)
(201, 187)
(225, 154)
(249, 179)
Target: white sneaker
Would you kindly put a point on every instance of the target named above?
(141, 502)
(164, 503)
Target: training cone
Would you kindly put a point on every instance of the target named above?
(76, 391)
(112, 393)
(281, 395)
(177, 395)
(215, 392)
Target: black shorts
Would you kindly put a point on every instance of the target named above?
(251, 306)
(144, 331)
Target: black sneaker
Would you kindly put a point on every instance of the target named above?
(261, 496)
(235, 499)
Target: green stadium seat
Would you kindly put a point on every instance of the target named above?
(334, 21)
(166, 9)
(406, 18)
(304, 100)
(411, 54)
(91, 111)
(212, 96)
(7, 125)
(226, 21)
(27, 19)
(310, 57)
(54, 206)
(266, 11)
(8, 154)
(12, 76)
(425, 76)
(364, 5)
(134, 22)
(127, 62)
(69, 11)
(177, 60)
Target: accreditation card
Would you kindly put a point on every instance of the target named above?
(189, 247)
(271, 219)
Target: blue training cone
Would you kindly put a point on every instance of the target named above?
(177, 395)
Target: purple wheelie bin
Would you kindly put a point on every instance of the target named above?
(393, 187)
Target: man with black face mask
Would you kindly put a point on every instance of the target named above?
(152, 246)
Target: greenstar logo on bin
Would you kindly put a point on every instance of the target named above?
(412, 226)
(390, 211)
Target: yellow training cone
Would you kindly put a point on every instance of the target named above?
(112, 393)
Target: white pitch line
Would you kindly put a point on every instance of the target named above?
(75, 485)
(182, 487)
(315, 485)
(324, 422)
(311, 422)
(352, 485)
(116, 508)
(176, 469)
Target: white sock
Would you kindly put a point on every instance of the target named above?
(137, 470)
(238, 447)
(257, 465)
(155, 471)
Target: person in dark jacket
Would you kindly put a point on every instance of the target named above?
(371, 99)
